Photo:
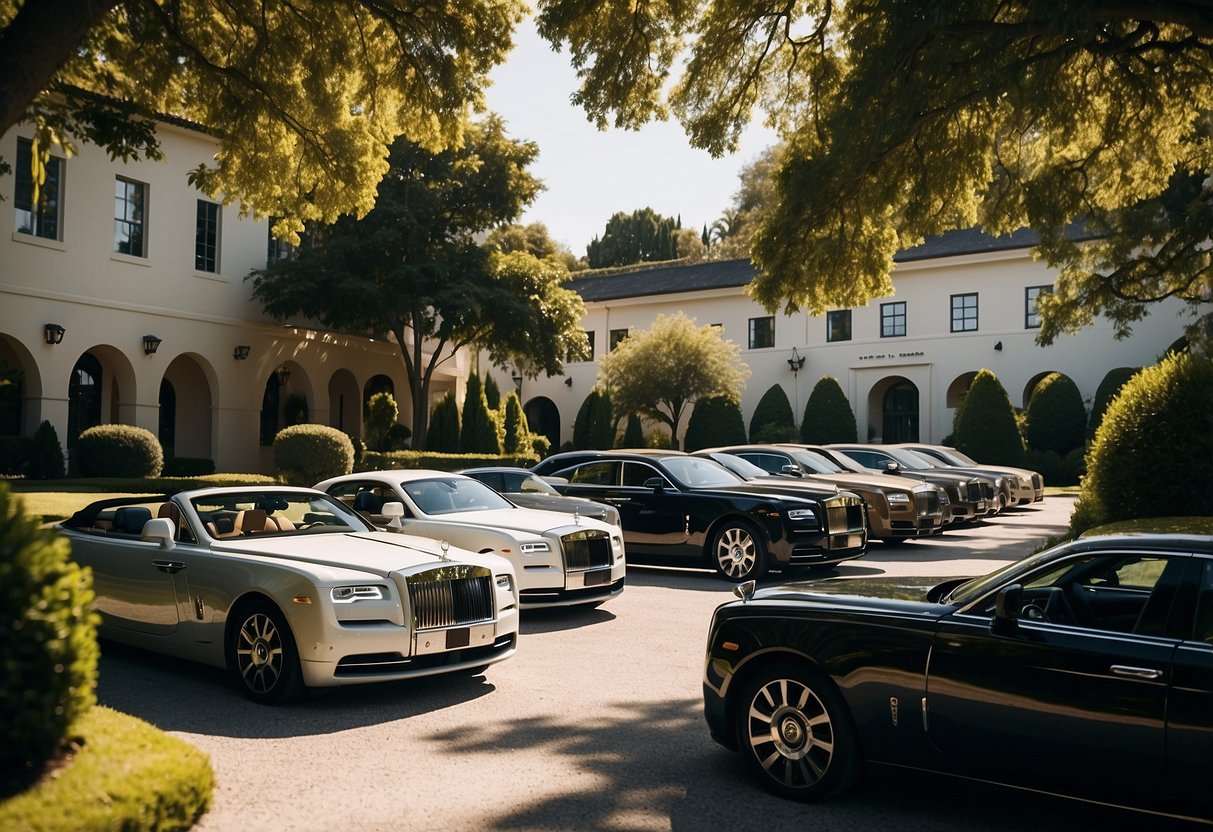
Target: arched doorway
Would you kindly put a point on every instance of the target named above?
(899, 413)
(344, 411)
(543, 417)
(186, 408)
(84, 394)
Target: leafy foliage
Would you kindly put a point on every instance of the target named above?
(412, 268)
(828, 416)
(478, 433)
(306, 96)
(594, 425)
(640, 237)
(1056, 419)
(984, 425)
(1107, 390)
(1163, 413)
(772, 420)
(119, 451)
(904, 120)
(306, 454)
(535, 240)
(46, 458)
(444, 426)
(492, 393)
(381, 414)
(659, 372)
(517, 432)
(48, 640)
(715, 421)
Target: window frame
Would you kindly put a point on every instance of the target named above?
(753, 332)
(616, 337)
(50, 195)
(133, 186)
(1031, 311)
(964, 309)
(207, 236)
(890, 314)
(838, 315)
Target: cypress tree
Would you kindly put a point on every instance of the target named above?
(1056, 419)
(492, 393)
(827, 415)
(443, 434)
(984, 425)
(715, 421)
(517, 432)
(479, 432)
(773, 420)
(633, 434)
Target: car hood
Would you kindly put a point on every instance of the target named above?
(884, 592)
(566, 505)
(520, 519)
(864, 480)
(379, 552)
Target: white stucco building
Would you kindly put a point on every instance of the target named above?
(123, 300)
(962, 302)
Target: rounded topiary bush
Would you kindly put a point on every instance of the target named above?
(714, 422)
(1056, 419)
(46, 456)
(1153, 451)
(827, 415)
(48, 641)
(773, 420)
(1105, 392)
(118, 451)
(307, 454)
(984, 425)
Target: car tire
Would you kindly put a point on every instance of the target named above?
(738, 553)
(796, 732)
(262, 654)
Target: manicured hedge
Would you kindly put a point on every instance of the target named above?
(984, 425)
(827, 415)
(773, 420)
(1056, 419)
(372, 461)
(714, 422)
(118, 451)
(307, 454)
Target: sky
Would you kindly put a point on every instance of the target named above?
(591, 175)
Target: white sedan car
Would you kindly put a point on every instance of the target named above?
(560, 559)
(288, 588)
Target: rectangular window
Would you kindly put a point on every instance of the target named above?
(617, 335)
(964, 312)
(206, 237)
(1031, 313)
(44, 219)
(892, 319)
(838, 325)
(762, 332)
(130, 204)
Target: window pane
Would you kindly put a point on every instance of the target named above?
(41, 220)
(838, 325)
(617, 335)
(762, 332)
(206, 240)
(1031, 312)
(964, 313)
(892, 319)
(129, 198)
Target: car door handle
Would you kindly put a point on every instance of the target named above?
(169, 566)
(1136, 672)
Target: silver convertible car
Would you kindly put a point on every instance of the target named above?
(290, 589)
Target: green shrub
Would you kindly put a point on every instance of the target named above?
(48, 640)
(307, 454)
(715, 421)
(633, 433)
(1055, 468)
(657, 439)
(16, 452)
(46, 457)
(1152, 452)
(398, 436)
(594, 425)
(517, 433)
(492, 393)
(443, 435)
(984, 425)
(380, 414)
(375, 461)
(541, 446)
(773, 420)
(1105, 393)
(359, 449)
(118, 451)
(187, 466)
(478, 434)
(827, 415)
(1056, 419)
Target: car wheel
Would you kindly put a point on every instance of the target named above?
(264, 657)
(797, 732)
(738, 554)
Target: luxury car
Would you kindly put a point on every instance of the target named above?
(896, 509)
(524, 487)
(1024, 485)
(561, 559)
(289, 589)
(681, 509)
(1086, 670)
(972, 496)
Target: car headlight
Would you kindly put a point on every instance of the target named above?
(353, 594)
(505, 582)
(898, 497)
(534, 548)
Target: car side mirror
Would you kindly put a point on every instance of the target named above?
(1007, 605)
(392, 511)
(890, 467)
(791, 470)
(655, 483)
(159, 530)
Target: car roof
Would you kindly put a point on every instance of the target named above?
(496, 469)
(401, 474)
(1165, 542)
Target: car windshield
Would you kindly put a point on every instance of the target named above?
(700, 473)
(530, 484)
(817, 463)
(975, 588)
(739, 466)
(844, 462)
(956, 457)
(454, 494)
(244, 513)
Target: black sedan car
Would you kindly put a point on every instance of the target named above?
(1085, 670)
(524, 487)
(684, 510)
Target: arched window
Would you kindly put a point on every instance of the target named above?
(168, 415)
(271, 407)
(83, 397)
(543, 417)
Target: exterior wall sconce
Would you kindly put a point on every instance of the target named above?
(53, 333)
(796, 362)
(241, 352)
(998, 347)
(283, 375)
(568, 382)
(150, 344)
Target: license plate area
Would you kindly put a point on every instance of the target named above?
(455, 638)
(598, 577)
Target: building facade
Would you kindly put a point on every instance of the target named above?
(123, 299)
(963, 302)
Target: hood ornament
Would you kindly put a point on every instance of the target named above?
(576, 517)
(745, 591)
(445, 547)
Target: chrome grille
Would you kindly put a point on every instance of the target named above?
(928, 502)
(973, 489)
(1037, 481)
(586, 549)
(845, 516)
(451, 596)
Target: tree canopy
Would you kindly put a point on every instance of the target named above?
(659, 372)
(640, 237)
(904, 120)
(411, 268)
(306, 96)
